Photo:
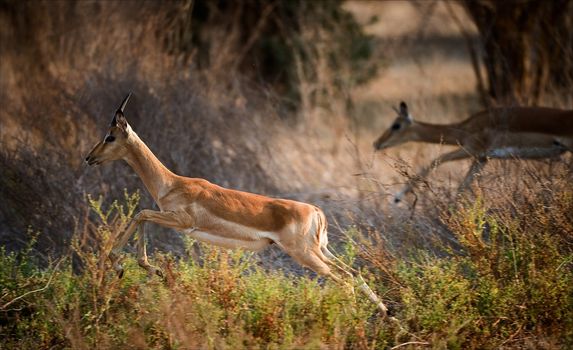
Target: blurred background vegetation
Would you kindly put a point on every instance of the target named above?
(282, 98)
(197, 68)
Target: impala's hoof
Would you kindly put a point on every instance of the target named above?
(390, 311)
(120, 273)
(155, 271)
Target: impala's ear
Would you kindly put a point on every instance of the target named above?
(119, 119)
(404, 111)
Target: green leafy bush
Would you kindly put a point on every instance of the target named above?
(506, 283)
(222, 301)
(511, 276)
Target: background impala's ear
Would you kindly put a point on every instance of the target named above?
(404, 111)
(403, 108)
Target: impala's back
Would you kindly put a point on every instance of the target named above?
(544, 120)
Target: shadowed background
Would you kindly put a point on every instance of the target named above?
(279, 98)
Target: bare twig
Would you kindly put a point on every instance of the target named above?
(35, 290)
(410, 343)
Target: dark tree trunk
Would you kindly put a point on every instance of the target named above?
(527, 47)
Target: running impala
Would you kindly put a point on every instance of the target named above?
(216, 215)
(502, 133)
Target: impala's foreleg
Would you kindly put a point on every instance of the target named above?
(475, 169)
(142, 253)
(447, 157)
(114, 255)
(167, 219)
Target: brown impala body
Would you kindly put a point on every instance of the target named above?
(502, 133)
(216, 215)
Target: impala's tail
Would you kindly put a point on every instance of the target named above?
(334, 261)
(321, 228)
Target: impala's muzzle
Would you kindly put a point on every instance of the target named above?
(383, 141)
(91, 160)
(378, 145)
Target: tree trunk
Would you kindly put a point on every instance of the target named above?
(527, 47)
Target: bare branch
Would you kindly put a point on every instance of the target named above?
(35, 290)
(410, 343)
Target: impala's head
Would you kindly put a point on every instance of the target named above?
(399, 132)
(113, 145)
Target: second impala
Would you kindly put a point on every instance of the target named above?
(502, 133)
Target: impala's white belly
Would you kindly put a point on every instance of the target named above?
(231, 243)
(505, 152)
(524, 145)
(525, 153)
(212, 229)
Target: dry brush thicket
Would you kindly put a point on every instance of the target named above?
(489, 269)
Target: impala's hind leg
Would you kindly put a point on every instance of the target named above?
(114, 255)
(334, 261)
(311, 259)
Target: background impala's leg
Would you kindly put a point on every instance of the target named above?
(566, 142)
(476, 168)
(447, 157)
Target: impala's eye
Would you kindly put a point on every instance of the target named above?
(109, 139)
(396, 126)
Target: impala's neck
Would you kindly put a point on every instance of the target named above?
(450, 134)
(156, 177)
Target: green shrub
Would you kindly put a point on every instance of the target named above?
(507, 283)
(512, 276)
(224, 300)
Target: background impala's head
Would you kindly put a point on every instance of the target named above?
(113, 145)
(399, 132)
